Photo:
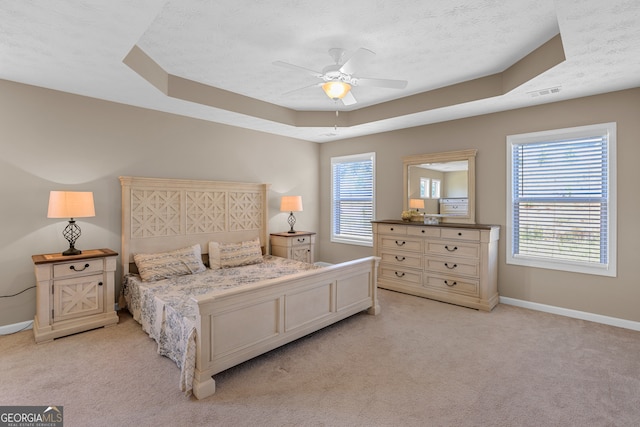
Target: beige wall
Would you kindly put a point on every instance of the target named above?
(54, 141)
(616, 297)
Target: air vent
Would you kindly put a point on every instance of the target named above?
(543, 92)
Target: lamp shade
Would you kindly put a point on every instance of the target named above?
(416, 203)
(336, 89)
(71, 204)
(291, 204)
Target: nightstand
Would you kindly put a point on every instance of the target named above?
(74, 293)
(298, 245)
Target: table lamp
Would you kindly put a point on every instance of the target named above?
(291, 204)
(71, 204)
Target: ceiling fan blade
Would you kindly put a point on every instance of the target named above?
(349, 99)
(393, 84)
(302, 88)
(299, 68)
(353, 63)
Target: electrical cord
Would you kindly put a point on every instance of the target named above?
(16, 294)
(24, 290)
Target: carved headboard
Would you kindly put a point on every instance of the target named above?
(162, 214)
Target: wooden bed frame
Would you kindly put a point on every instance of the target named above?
(164, 214)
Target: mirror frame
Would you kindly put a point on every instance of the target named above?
(448, 156)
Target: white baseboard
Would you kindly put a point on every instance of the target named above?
(16, 327)
(583, 315)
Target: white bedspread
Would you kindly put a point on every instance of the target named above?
(167, 313)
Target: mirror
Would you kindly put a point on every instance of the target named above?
(444, 183)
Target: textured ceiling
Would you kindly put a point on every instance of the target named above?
(81, 47)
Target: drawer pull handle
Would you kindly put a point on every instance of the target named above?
(455, 248)
(446, 282)
(99, 283)
(422, 231)
(400, 243)
(391, 228)
(73, 267)
(400, 258)
(446, 264)
(459, 234)
(301, 240)
(399, 274)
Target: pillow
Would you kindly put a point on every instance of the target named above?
(224, 255)
(166, 264)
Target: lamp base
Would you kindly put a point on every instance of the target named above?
(291, 220)
(72, 251)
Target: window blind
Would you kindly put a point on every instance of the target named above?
(560, 200)
(352, 191)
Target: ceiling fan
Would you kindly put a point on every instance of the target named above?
(338, 79)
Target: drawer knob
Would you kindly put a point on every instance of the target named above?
(446, 264)
(73, 267)
(391, 229)
(400, 258)
(301, 240)
(446, 282)
(459, 234)
(399, 274)
(422, 231)
(99, 283)
(455, 248)
(400, 243)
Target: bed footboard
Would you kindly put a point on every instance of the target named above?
(248, 322)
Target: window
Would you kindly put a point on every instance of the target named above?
(352, 190)
(435, 188)
(424, 185)
(561, 199)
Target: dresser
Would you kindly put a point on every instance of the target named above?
(298, 245)
(74, 293)
(454, 263)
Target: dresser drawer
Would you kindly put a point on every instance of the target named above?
(395, 229)
(400, 274)
(460, 234)
(453, 248)
(78, 268)
(400, 260)
(426, 231)
(453, 266)
(401, 243)
(452, 284)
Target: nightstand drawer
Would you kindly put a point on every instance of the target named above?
(77, 268)
(300, 241)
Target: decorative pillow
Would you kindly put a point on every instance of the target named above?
(166, 264)
(224, 255)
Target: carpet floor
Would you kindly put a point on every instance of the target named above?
(418, 363)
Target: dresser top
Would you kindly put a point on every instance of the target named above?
(447, 224)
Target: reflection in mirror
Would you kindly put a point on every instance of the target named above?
(444, 183)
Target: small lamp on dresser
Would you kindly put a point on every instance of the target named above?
(71, 204)
(416, 204)
(291, 204)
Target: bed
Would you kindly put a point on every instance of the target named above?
(208, 320)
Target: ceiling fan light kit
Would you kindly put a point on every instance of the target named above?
(336, 89)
